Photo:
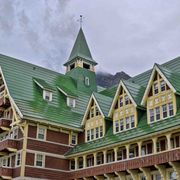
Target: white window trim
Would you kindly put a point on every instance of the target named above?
(45, 132)
(73, 102)
(76, 135)
(17, 159)
(87, 83)
(43, 160)
(44, 95)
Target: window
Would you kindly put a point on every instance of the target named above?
(101, 131)
(156, 88)
(71, 102)
(90, 161)
(126, 100)
(92, 112)
(92, 134)
(151, 112)
(172, 176)
(74, 139)
(18, 159)
(164, 110)
(121, 102)
(97, 111)
(47, 95)
(88, 135)
(72, 66)
(171, 110)
(121, 124)
(110, 156)
(163, 85)
(116, 126)
(86, 66)
(127, 122)
(72, 164)
(41, 133)
(86, 81)
(157, 113)
(132, 122)
(39, 160)
(97, 132)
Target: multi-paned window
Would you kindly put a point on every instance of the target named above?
(41, 133)
(18, 159)
(124, 124)
(74, 139)
(166, 109)
(94, 111)
(94, 133)
(39, 160)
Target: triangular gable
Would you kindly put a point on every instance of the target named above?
(13, 104)
(157, 69)
(88, 108)
(121, 84)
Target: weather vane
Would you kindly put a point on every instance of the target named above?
(80, 20)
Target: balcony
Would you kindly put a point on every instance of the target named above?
(4, 124)
(5, 173)
(8, 145)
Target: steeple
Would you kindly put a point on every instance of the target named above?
(80, 55)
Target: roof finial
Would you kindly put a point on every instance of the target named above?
(80, 20)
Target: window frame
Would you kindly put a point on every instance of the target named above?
(44, 135)
(36, 159)
(48, 94)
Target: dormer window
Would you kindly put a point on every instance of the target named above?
(47, 95)
(71, 102)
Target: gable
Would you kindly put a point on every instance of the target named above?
(157, 79)
(93, 109)
(122, 94)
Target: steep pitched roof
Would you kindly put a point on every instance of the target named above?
(81, 49)
(43, 84)
(104, 102)
(19, 77)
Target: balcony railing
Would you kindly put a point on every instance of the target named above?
(8, 145)
(6, 172)
(4, 124)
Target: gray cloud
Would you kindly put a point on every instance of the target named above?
(126, 35)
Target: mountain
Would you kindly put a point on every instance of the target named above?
(107, 80)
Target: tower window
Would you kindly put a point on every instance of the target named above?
(87, 81)
(86, 66)
(72, 66)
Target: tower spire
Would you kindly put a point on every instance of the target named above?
(80, 54)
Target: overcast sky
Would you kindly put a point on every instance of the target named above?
(123, 35)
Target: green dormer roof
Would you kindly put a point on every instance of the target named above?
(81, 49)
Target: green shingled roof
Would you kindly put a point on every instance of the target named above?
(172, 76)
(81, 49)
(43, 84)
(19, 77)
(142, 130)
(135, 90)
(104, 102)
